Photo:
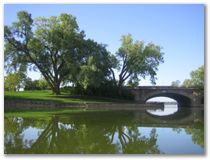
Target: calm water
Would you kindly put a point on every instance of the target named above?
(107, 132)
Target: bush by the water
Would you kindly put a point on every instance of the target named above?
(108, 89)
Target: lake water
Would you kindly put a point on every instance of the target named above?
(180, 131)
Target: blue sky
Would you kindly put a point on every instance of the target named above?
(179, 29)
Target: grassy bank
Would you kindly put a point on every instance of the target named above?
(63, 98)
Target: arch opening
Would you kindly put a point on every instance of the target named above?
(182, 100)
(170, 106)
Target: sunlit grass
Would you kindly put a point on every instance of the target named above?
(39, 95)
(46, 95)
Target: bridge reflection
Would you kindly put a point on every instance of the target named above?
(181, 116)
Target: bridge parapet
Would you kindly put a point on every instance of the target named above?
(164, 87)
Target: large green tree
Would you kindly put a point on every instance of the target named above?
(137, 60)
(58, 49)
(51, 45)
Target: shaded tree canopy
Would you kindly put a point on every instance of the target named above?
(94, 67)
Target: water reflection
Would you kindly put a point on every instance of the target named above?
(170, 106)
(105, 132)
(167, 110)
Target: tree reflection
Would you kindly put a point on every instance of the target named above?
(197, 133)
(107, 132)
(142, 144)
(195, 129)
(14, 133)
(131, 140)
(63, 135)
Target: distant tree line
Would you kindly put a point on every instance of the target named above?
(15, 81)
(60, 51)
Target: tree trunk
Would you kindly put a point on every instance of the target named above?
(120, 88)
(56, 89)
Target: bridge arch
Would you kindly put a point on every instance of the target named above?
(181, 99)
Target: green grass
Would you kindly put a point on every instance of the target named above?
(63, 98)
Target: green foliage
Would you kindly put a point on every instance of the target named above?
(40, 84)
(108, 89)
(16, 39)
(50, 47)
(133, 82)
(13, 81)
(94, 68)
(59, 50)
(138, 60)
(196, 80)
(187, 83)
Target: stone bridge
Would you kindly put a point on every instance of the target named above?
(183, 96)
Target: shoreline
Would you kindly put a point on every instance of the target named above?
(31, 105)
